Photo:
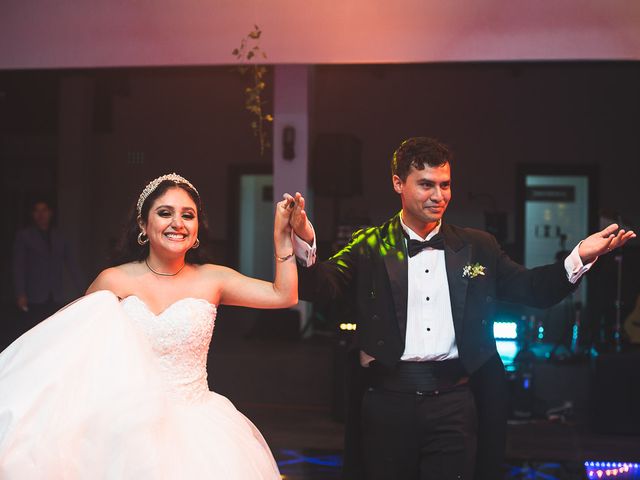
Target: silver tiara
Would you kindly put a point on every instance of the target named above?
(153, 184)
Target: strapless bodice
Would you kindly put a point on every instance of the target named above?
(180, 337)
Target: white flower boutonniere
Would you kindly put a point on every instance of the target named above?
(473, 270)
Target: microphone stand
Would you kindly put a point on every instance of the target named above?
(617, 329)
(568, 314)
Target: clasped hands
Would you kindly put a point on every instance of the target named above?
(292, 208)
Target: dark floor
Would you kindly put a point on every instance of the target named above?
(307, 444)
(322, 465)
(286, 388)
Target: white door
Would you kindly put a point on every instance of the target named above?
(256, 226)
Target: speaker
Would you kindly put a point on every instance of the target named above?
(615, 393)
(496, 224)
(336, 165)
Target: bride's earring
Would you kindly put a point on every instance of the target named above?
(142, 239)
(196, 244)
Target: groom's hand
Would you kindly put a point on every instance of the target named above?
(299, 221)
(603, 242)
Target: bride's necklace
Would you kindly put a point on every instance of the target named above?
(146, 261)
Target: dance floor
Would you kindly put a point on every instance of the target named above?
(535, 450)
(325, 465)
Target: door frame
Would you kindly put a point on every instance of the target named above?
(233, 205)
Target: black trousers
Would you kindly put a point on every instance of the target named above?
(419, 435)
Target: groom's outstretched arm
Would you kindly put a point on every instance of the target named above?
(546, 285)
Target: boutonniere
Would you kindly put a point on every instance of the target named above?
(473, 270)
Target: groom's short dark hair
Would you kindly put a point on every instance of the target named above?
(417, 152)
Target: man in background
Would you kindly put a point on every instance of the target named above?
(40, 255)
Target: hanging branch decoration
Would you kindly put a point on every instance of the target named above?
(248, 52)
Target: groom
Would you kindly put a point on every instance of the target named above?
(424, 292)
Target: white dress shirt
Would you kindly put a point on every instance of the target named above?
(430, 333)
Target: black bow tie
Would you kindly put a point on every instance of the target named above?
(416, 246)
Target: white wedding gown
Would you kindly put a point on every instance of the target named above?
(107, 390)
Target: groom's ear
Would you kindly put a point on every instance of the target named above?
(398, 184)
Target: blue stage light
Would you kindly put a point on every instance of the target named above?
(505, 330)
(507, 349)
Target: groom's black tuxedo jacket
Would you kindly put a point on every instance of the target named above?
(370, 273)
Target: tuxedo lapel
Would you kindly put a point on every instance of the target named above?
(457, 254)
(394, 254)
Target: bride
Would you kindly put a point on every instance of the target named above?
(114, 386)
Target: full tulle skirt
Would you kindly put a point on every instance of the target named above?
(82, 397)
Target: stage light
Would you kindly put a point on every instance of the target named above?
(507, 349)
(505, 330)
(612, 469)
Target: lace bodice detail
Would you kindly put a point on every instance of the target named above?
(180, 337)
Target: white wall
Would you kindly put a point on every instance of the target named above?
(101, 33)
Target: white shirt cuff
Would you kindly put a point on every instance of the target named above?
(305, 253)
(574, 266)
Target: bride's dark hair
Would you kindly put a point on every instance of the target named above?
(128, 249)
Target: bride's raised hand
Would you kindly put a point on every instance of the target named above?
(284, 208)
